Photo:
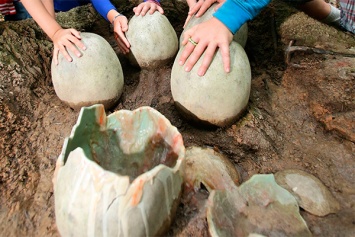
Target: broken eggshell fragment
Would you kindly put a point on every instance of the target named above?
(209, 167)
(258, 206)
(311, 194)
(119, 175)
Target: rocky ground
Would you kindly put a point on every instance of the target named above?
(301, 115)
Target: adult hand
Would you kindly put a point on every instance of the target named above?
(120, 26)
(67, 39)
(208, 36)
(200, 7)
(150, 6)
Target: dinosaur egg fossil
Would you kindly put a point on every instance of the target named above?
(96, 77)
(118, 175)
(217, 98)
(153, 40)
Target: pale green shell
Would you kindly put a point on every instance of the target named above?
(258, 206)
(217, 98)
(94, 78)
(240, 36)
(119, 175)
(153, 40)
(311, 194)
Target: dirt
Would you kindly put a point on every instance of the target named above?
(301, 115)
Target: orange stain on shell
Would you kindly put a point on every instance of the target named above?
(137, 192)
(102, 115)
(162, 125)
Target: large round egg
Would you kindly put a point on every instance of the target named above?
(240, 36)
(153, 40)
(217, 98)
(94, 78)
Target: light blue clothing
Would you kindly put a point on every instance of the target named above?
(234, 13)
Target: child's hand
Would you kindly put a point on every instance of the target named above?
(120, 26)
(150, 5)
(200, 7)
(67, 39)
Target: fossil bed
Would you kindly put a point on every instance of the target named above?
(300, 115)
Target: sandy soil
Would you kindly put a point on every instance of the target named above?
(300, 115)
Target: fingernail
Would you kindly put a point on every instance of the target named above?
(181, 63)
(84, 48)
(187, 69)
(200, 73)
(227, 69)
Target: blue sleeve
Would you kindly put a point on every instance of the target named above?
(234, 13)
(103, 7)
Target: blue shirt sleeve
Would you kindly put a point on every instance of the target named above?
(234, 13)
(103, 7)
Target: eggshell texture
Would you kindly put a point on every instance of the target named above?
(217, 98)
(153, 40)
(240, 36)
(94, 78)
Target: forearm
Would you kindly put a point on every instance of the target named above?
(49, 5)
(104, 8)
(234, 13)
(41, 15)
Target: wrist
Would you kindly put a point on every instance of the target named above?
(54, 33)
(111, 14)
(115, 17)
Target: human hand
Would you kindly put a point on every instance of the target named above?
(120, 26)
(66, 39)
(200, 7)
(207, 36)
(150, 5)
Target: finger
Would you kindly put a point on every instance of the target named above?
(145, 10)
(195, 8)
(65, 53)
(194, 57)
(187, 34)
(70, 44)
(185, 54)
(187, 20)
(160, 9)
(202, 9)
(207, 59)
(137, 10)
(77, 39)
(123, 38)
(73, 49)
(124, 24)
(152, 9)
(224, 49)
(75, 33)
(123, 48)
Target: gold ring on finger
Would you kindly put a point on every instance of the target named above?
(192, 41)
